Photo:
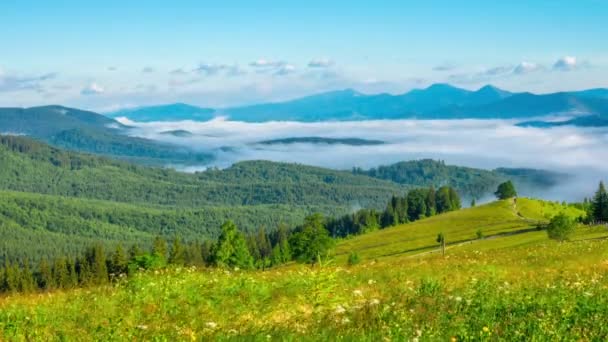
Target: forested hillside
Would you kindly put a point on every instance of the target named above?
(35, 167)
(470, 182)
(91, 132)
(35, 226)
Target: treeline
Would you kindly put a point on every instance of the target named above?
(36, 226)
(596, 207)
(97, 267)
(415, 205)
(233, 248)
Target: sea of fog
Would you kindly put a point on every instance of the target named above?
(487, 144)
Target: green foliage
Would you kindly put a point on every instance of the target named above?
(561, 227)
(353, 258)
(311, 241)
(505, 190)
(231, 249)
(29, 165)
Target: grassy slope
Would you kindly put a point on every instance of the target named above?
(491, 219)
(539, 290)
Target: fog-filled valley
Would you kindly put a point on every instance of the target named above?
(487, 144)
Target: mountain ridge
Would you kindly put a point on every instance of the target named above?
(437, 101)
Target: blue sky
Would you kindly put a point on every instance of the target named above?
(110, 54)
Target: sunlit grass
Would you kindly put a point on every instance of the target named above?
(522, 287)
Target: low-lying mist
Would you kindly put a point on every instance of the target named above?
(488, 144)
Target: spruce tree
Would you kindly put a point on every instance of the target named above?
(177, 255)
(231, 249)
(431, 205)
(45, 275)
(61, 273)
(159, 248)
(119, 261)
(599, 204)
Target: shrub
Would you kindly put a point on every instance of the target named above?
(353, 258)
(561, 227)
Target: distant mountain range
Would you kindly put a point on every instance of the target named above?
(172, 112)
(439, 101)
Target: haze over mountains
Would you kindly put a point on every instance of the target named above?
(438, 101)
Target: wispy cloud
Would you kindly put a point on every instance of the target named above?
(178, 71)
(523, 68)
(320, 63)
(10, 82)
(92, 89)
(444, 67)
(264, 63)
(285, 70)
(147, 70)
(211, 69)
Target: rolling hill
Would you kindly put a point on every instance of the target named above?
(93, 133)
(491, 220)
(470, 182)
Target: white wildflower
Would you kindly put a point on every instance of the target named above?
(357, 293)
(211, 325)
(340, 309)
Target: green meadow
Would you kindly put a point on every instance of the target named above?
(513, 283)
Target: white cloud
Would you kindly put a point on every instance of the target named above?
(92, 89)
(264, 63)
(285, 70)
(526, 68)
(320, 63)
(565, 63)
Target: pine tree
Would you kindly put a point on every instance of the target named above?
(177, 255)
(27, 281)
(231, 249)
(454, 199)
(119, 261)
(71, 264)
(159, 249)
(263, 243)
(61, 273)
(431, 205)
(96, 259)
(45, 278)
(193, 254)
(599, 204)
